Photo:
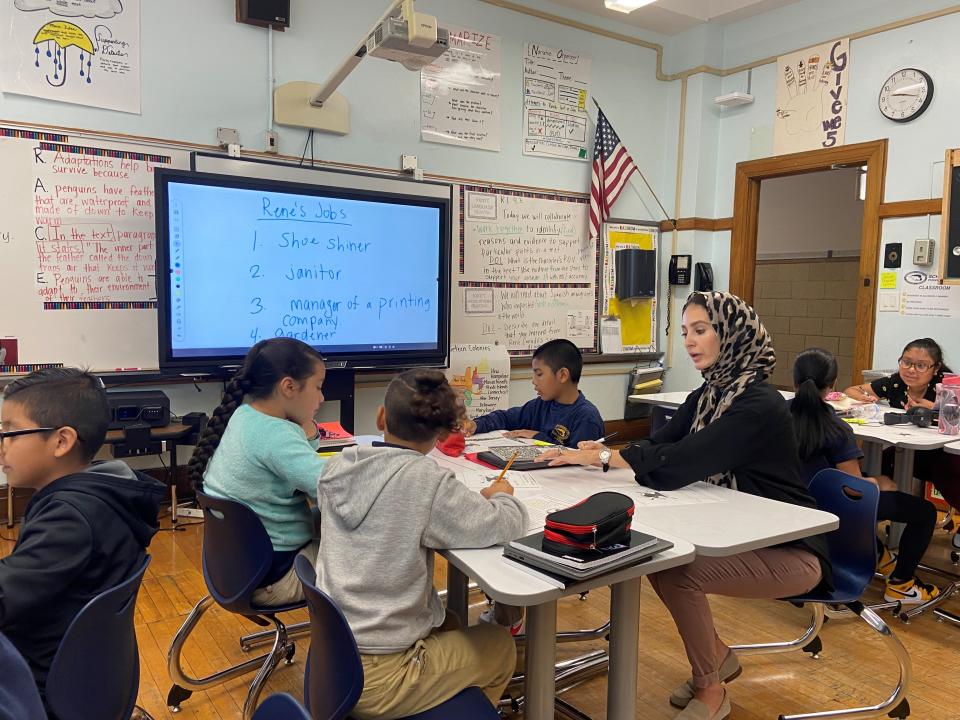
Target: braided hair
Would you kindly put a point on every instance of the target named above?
(267, 363)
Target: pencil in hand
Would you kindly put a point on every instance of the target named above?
(507, 466)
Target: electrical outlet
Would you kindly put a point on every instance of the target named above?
(923, 252)
(271, 142)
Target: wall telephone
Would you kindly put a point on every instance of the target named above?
(679, 273)
(703, 277)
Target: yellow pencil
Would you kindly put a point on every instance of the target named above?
(507, 466)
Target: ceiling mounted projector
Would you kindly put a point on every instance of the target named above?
(391, 41)
(402, 35)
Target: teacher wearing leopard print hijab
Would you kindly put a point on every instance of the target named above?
(734, 430)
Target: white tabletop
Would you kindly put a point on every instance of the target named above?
(677, 398)
(906, 436)
(709, 520)
(953, 448)
(508, 584)
(737, 523)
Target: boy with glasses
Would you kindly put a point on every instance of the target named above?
(87, 526)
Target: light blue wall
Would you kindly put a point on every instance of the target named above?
(202, 70)
(916, 149)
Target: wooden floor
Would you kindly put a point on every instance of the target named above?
(854, 667)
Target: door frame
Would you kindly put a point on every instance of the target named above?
(746, 213)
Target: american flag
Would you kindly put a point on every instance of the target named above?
(612, 167)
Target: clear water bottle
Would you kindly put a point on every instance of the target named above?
(948, 399)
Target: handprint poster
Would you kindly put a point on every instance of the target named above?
(812, 98)
(76, 51)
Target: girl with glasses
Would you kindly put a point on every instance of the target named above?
(915, 385)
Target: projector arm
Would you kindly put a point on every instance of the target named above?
(330, 85)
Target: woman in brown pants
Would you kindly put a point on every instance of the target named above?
(735, 430)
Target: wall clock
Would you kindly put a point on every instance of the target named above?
(905, 95)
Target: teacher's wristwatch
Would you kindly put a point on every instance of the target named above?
(605, 459)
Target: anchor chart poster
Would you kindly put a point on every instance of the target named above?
(85, 52)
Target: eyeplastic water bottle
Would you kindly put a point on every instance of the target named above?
(948, 400)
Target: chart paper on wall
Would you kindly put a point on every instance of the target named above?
(556, 94)
(460, 92)
(812, 98)
(85, 52)
(481, 373)
(526, 270)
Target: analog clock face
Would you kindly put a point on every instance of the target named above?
(905, 95)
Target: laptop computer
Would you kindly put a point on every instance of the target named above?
(527, 550)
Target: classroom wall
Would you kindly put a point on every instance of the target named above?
(808, 215)
(916, 149)
(222, 81)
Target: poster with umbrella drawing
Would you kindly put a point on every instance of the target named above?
(85, 52)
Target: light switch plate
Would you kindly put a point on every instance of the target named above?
(889, 301)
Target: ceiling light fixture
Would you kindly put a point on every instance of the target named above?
(626, 6)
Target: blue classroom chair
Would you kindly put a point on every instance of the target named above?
(95, 674)
(237, 554)
(333, 679)
(280, 707)
(853, 554)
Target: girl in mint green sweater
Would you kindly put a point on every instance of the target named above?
(259, 448)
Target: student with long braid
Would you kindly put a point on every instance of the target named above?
(259, 448)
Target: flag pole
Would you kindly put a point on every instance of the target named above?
(666, 215)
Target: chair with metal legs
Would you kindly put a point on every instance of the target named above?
(853, 556)
(237, 554)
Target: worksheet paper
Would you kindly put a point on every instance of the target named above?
(696, 494)
(540, 505)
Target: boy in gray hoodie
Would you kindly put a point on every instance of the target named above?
(385, 509)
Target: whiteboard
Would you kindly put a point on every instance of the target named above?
(77, 248)
(524, 270)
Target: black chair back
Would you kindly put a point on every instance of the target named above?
(333, 678)
(95, 674)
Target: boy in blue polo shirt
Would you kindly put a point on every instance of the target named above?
(560, 414)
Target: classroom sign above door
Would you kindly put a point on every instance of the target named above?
(85, 52)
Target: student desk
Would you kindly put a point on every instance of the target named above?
(705, 528)
(677, 398)
(907, 439)
(172, 436)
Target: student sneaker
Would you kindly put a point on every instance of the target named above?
(515, 628)
(912, 592)
(887, 563)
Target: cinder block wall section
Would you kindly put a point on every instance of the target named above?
(809, 303)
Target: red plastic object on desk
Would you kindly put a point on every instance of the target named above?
(452, 445)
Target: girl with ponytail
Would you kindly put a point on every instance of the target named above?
(259, 448)
(825, 441)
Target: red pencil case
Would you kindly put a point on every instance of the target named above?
(597, 522)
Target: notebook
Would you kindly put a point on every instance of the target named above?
(526, 457)
(527, 551)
